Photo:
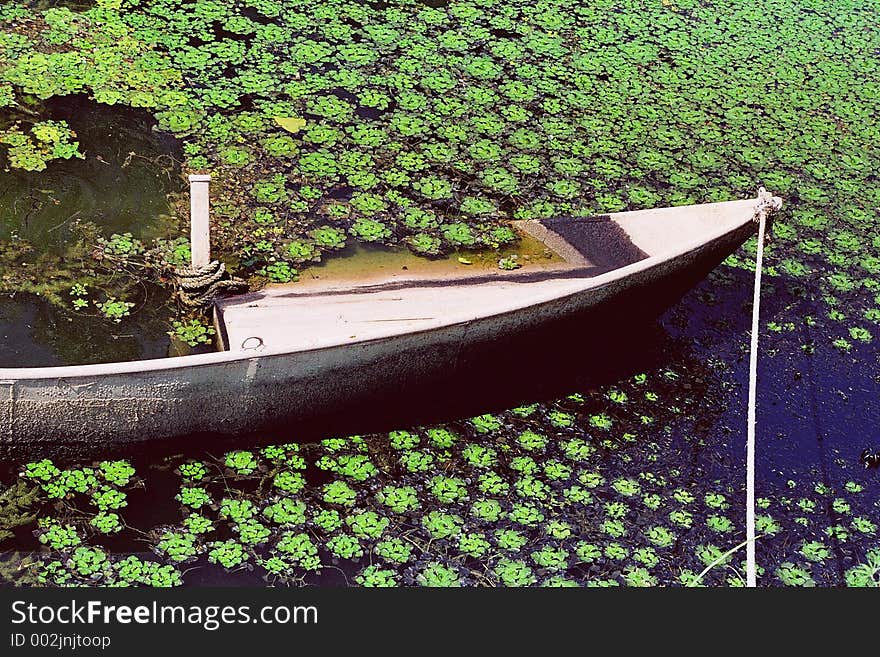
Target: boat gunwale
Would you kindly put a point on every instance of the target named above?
(12, 375)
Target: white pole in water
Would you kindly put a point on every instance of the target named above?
(200, 229)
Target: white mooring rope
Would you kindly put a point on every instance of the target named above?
(767, 204)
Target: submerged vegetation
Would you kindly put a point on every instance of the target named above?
(329, 122)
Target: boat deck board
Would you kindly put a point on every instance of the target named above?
(282, 318)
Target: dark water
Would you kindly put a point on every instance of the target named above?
(35, 333)
(121, 186)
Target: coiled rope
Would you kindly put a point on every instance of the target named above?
(767, 205)
(199, 287)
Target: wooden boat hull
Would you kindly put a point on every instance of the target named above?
(94, 407)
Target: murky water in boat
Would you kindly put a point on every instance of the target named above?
(363, 261)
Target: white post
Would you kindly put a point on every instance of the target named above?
(199, 228)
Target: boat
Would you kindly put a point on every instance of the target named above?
(326, 350)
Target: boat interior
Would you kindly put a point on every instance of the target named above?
(321, 312)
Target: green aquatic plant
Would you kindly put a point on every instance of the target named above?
(792, 575)
(328, 237)
(492, 483)
(241, 462)
(197, 524)
(229, 553)
(286, 511)
(815, 551)
(44, 142)
(345, 547)
(399, 499)
(514, 573)
(193, 471)
(417, 461)
(719, 524)
(487, 510)
(114, 309)
(614, 528)
(442, 525)
(578, 450)
(480, 456)
(442, 437)
(865, 574)
(403, 440)
(424, 244)
(474, 545)
(682, 518)
(510, 539)
(531, 487)
(486, 423)
(660, 536)
(394, 550)
(194, 497)
(328, 520)
(639, 577)
(528, 515)
(436, 575)
(587, 552)
(118, 473)
(57, 536)
(525, 465)
(557, 471)
(355, 466)
(448, 490)
(89, 561)
(300, 549)
(178, 546)
(375, 577)
(616, 551)
(124, 245)
(765, 524)
(339, 493)
(532, 441)
(252, 532)
(367, 524)
(864, 526)
(626, 487)
(237, 510)
(289, 482)
(561, 419)
(524, 411)
(106, 498)
(551, 558)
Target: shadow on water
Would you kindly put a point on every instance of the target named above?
(816, 411)
(811, 408)
(122, 186)
(35, 333)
